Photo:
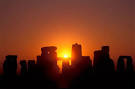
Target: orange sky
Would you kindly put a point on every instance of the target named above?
(28, 25)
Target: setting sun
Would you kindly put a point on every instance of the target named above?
(64, 52)
(65, 56)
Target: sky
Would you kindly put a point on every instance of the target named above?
(28, 25)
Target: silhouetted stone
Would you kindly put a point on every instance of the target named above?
(121, 64)
(23, 67)
(65, 66)
(10, 69)
(10, 65)
(80, 74)
(47, 64)
(102, 60)
(31, 66)
(76, 54)
(97, 60)
(81, 68)
(125, 74)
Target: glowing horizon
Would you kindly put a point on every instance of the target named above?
(64, 52)
(26, 26)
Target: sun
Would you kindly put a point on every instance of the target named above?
(64, 53)
(65, 56)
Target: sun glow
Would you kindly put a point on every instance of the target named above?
(64, 53)
(65, 56)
